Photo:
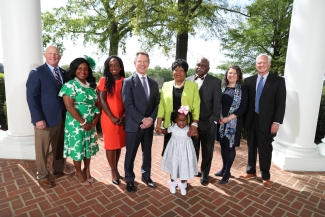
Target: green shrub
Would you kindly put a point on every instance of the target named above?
(5, 112)
(97, 76)
(3, 116)
(320, 129)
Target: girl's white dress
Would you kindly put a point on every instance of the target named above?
(179, 159)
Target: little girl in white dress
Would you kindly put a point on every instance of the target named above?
(179, 159)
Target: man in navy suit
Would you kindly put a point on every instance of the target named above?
(47, 113)
(210, 95)
(266, 107)
(140, 98)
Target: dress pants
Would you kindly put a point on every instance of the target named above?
(206, 139)
(263, 142)
(228, 156)
(133, 140)
(53, 136)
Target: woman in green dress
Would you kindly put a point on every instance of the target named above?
(79, 96)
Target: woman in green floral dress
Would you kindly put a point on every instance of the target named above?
(79, 96)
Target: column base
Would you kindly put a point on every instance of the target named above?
(293, 159)
(17, 147)
(321, 147)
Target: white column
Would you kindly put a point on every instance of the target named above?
(21, 30)
(321, 147)
(294, 147)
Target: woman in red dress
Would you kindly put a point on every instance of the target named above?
(112, 117)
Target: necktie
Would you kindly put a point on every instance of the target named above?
(197, 76)
(57, 77)
(258, 95)
(145, 87)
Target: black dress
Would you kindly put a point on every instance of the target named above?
(177, 102)
(226, 101)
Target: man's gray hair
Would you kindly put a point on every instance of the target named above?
(203, 58)
(269, 58)
(141, 53)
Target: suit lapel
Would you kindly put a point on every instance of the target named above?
(254, 80)
(138, 85)
(49, 73)
(205, 81)
(151, 87)
(267, 84)
(62, 72)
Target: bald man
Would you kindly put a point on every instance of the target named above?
(47, 113)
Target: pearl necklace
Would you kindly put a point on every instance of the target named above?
(179, 86)
(87, 85)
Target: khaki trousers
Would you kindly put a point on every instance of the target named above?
(53, 136)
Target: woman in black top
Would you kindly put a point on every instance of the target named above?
(233, 106)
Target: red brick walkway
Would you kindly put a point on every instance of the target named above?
(293, 193)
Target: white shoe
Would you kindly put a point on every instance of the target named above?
(172, 187)
(183, 187)
(183, 191)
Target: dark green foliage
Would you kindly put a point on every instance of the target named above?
(165, 73)
(3, 116)
(265, 29)
(320, 129)
(128, 74)
(97, 75)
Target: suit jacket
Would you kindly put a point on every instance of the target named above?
(42, 96)
(210, 95)
(272, 102)
(136, 104)
(190, 97)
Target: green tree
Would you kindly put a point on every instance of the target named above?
(65, 67)
(103, 23)
(173, 22)
(265, 29)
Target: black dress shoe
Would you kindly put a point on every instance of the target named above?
(149, 182)
(130, 187)
(116, 182)
(220, 173)
(224, 181)
(199, 174)
(204, 180)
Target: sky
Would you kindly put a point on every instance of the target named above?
(197, 48)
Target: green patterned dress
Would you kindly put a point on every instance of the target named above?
(78, 143)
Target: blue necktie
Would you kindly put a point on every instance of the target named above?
(145, 87)
(258, 95)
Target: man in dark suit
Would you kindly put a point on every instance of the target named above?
(47, 113)
(210, 95)
(266, 106)
(140, 98)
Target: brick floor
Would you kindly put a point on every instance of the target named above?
(293, 193)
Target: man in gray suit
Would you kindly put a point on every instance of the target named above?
(210, 94)
(140, 98)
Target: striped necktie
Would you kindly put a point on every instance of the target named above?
(57, 77)
(145, 87)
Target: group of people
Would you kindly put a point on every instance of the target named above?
(191, 112)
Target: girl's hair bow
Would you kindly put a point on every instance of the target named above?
(183, 109)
